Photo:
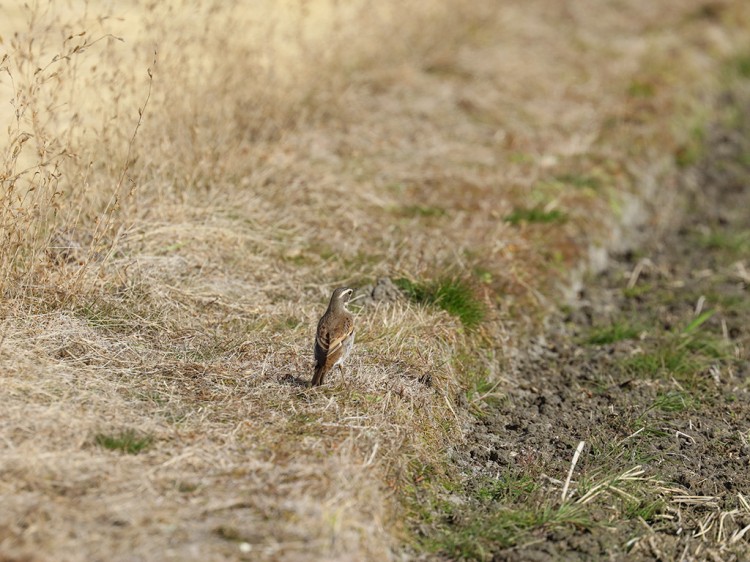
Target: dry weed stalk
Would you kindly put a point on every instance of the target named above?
(45, 176)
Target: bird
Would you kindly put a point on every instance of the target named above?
(334, 338)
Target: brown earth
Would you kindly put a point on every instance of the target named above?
(648, 366)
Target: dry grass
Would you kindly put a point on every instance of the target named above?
(168, 244)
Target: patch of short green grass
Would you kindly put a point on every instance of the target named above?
(580, 181)
(740, 65)
(420, 211)
(508, 487)
(685, 354)
(127, 441)
(452, 294)
(637, 290)
(478, 535)
(480, 386)
(483, 275)
(693, 148)
(641, 89)
(617, 331)
(483, 392)
(662, 362)
(673, 401)
(514, 508)
(725, 300)
(608, 452)
(522, 215)
(521, 158)
(644, 509)
(730, 241)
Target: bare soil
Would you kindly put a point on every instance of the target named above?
(648, 367)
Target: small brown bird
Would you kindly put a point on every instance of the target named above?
(335, 336)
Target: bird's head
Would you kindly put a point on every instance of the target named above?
(342, 294)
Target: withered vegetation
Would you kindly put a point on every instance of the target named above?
(181, 187)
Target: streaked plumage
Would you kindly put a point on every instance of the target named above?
(334, 339)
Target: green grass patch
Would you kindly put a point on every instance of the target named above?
(732, 242)
(637, 290)
(645, 509)
(692, 149)
(484, 275)
(685, 354)
(521, 158)
(495, 513)
(420, 211)
(725, 300)
(662, 362)
(521, 215)
(480, 386)
(128, 441)
(452, 294)
(580, 181)
(618, 331)
(674, 401)
(478, 535)
(670, 402)
(701, 343)
(482, 391)
(641, 89)
(740, 66)
(509, 487)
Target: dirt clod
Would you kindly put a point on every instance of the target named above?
(382, 291)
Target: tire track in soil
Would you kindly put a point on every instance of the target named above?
(650, 369)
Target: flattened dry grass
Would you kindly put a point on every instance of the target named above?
(237, 441)
(176, 206)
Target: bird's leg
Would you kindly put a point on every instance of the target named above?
(341, 372)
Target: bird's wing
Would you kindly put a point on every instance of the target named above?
(330, 338)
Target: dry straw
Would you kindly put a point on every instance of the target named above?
(169, 233)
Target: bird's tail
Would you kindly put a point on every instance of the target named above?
(318, 375)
